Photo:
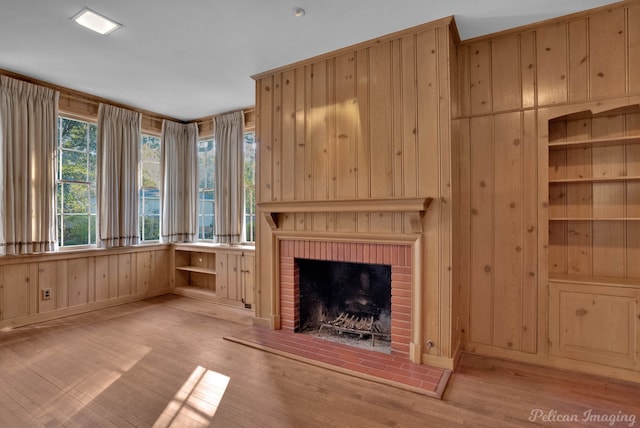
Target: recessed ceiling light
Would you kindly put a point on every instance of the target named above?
(96, 22)
(297, 12)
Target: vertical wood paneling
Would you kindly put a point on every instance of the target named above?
(46, 279)
(331, 136)
(442, 320)
(480, 77)
(161, 264)
(482, 228)
(144, 264)
(15, 291)
(124, 274)
(346, 122)
(528, 68)
(578, 60)
(633, 53)
(397, 120)
(276, 146)
(428, 123)
(508, 212)
(380, 122)
(464, 81)
(409, 117)
(300, 174)
(363, 137)
(607, 54)
(102, 278)
(78, 281)
(288, 135)
(505, 68)
(530, 229)
(551, 53)
(461, 137)
(61, 292)
(318, 131)
(264, 143)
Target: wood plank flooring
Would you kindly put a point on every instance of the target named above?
(163, 362)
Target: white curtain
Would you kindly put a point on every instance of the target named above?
(117, 178)
(28, 122)
(179, 189)
(229, 204)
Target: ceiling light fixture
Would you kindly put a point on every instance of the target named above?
(297, 12)
(96, 22)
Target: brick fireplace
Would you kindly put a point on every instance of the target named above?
(397, 256)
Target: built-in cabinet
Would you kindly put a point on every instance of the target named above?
(39, 287)
(594, 237)
(219, 273)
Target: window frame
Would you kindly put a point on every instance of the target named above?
(60, 183)
(142, 189)
(211, 147)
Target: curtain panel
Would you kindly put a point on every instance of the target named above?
(229, 204)
(117, 176)
(179, 185)
(28, 128)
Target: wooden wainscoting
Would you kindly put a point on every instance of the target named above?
(79, 281)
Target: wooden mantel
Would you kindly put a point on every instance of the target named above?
(413, 207)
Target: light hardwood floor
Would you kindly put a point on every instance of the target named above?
(163, 362)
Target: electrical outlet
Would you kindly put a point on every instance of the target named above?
(46, 294)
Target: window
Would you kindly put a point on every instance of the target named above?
(206, 189)
(250, 186)
(149, 205)
(76, 183)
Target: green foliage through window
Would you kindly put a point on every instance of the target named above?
(149, 205)
(250, 186)
(206, 189)
(76, 182)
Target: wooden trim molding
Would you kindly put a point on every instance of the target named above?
(347, 205)
(413, 207)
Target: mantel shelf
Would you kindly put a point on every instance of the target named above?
(347, 205)
(414, 207)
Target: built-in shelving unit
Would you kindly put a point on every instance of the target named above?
(218, 273)
(594, 237)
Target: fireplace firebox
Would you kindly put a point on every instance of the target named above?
(345, 301)
(390, 264)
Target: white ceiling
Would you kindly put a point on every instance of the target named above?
(193, 58)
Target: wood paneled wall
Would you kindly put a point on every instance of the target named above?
(504, 81)
(79, 281)
(370, 121)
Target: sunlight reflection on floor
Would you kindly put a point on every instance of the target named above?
(196, 402)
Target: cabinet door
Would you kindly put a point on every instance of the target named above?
(15, 291)
(594, 323)
(228, 271)
(222, 276)
(248, 279)
(233, 277)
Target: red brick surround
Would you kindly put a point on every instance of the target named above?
(396, 255)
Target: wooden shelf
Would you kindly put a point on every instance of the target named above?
(595, 179)
(594, 219)
(595, 280)
(197, 269)
(347, 205)
(413, 207)
(596, 142)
